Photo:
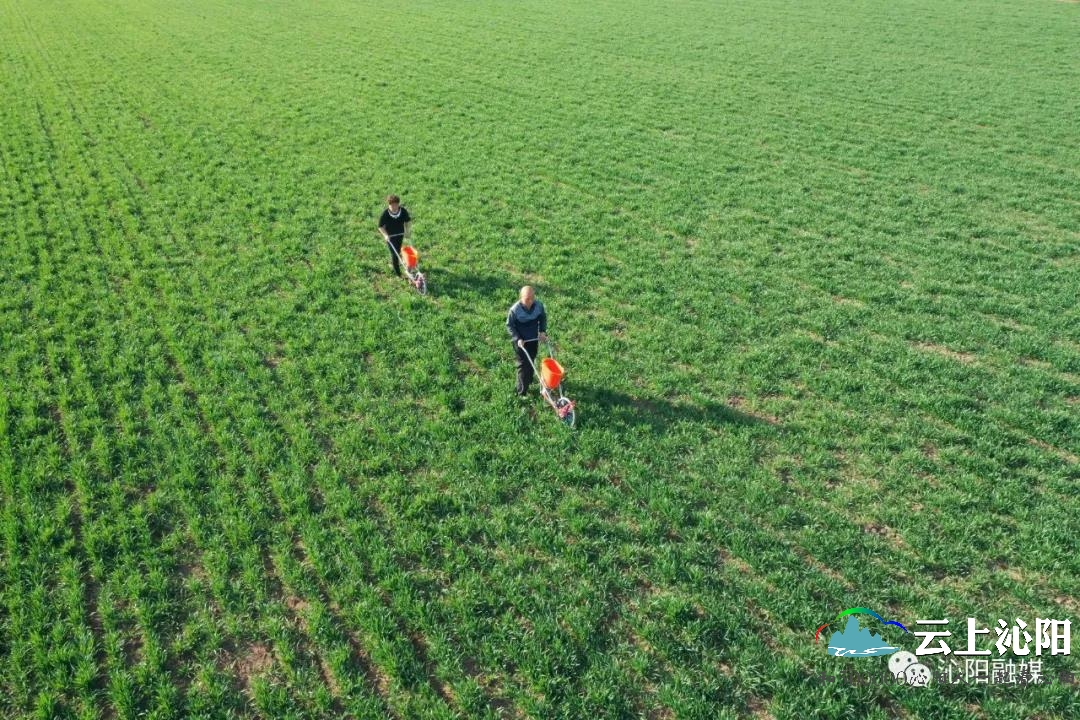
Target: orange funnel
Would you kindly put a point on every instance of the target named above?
(410, 256)
(551, 373)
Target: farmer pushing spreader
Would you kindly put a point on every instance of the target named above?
(395, 225)
(527, 324)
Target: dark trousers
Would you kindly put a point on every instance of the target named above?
(524, 369)
(396, 242)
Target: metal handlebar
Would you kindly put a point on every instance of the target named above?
(392, 248)
(547, 343)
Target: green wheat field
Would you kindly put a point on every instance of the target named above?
(813, 269)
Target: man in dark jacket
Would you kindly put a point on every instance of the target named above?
(527, 325)
(395, 224)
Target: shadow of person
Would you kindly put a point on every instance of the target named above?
(604, 406)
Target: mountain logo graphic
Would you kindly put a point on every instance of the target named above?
(854, 641)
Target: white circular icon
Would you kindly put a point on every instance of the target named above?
(917, 675)
(901, 661)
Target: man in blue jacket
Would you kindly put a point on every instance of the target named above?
(527, 325)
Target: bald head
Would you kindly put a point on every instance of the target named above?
(526, 296)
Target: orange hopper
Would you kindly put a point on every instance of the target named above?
(551, 373)
(410, 256)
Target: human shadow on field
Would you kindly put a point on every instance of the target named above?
(601, 406)
(459, 285)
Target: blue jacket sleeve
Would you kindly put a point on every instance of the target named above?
(543, 319)
(511, 326)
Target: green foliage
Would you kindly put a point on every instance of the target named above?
(812, 267)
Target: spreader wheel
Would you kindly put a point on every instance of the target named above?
(565, 408)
